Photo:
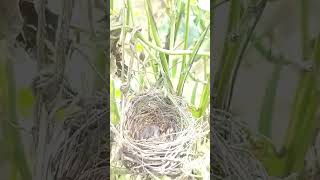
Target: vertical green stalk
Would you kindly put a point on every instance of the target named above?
(205, 63)
(153, 65)
(111, 5)
(204, 100)
(302, 127)
(172, 25)
(129, 13)
(267, 108)
(205, 97)
(177, 23)
(123, 37)
(156, 38)
(114, 107)
(155, 35)
(193, 57)
(101, 65)
(13, 143)
(229, 54)
(227, 77)
(185, 46)
(194, 92)
(181, 8)
(305, 28)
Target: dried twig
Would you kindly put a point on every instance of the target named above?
(40, 115)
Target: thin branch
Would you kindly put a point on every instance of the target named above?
(279, 58)
(62, 37)
(86, 57)
(90, 17)
(41, 61)
(260, 7)
(220, 3)
(170, 52)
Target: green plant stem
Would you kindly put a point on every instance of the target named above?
(170, 52)
(123, 37)
(252, 25)
(111, 5)
(129, 13)
(302, 127)
(172, 27)
(192, 58)
(194, 92)
(220, 3)
(205, 97)
(186, 39)
(18, 160)
(227, 60)
(156, 37)
(278, 58)
(204, 101)
(267, 108)
(114, 106)
(305, 28)
(176, 30)
(166, 76)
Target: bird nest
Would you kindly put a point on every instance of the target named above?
(156, 134)
(230, 159)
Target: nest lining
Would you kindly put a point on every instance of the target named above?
(156, 135)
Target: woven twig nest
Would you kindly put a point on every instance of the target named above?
(82, 151)
(156, 134)
(230, 160)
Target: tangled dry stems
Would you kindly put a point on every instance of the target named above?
(169, 147)
(83, 149)
(230, 160)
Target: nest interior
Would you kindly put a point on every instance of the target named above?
(153, 117)
(156, 134)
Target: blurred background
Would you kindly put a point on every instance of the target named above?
(18, 69)
(276, 88)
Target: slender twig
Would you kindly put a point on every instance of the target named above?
(279, 59)
(184, 63)
(260, 7)
(123, 37)
(166, 75)
(41, 34)
(87, 59)
(90, 18)
(62, 37)
(170, 52)
(196, 79)
(220, 3)
(174, 50)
